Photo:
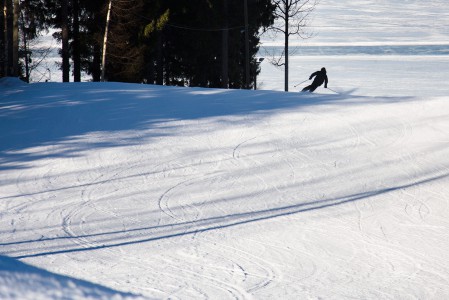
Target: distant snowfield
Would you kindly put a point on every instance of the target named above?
(362, 22)
(368, 23)
(126, 190)
(374, 75)
(350, 23)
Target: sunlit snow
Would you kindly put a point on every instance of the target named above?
(132, 191)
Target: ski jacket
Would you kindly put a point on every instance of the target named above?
(320, 77)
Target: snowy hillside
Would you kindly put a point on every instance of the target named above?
(188, 193)
(406, 40)
(127, 191)
(21, 281)
(374, 22)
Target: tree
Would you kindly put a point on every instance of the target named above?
(76, 55)
(60, 18)
(293, 16)
(15, 39)
(188, 43)
(225, 47)
(194, 42)
(124, 58)
(92, 21)
(65, 41)
(33, 20)
(105, 42)
(65, 15)
(6, 26)
(10, 38)
(247, 68)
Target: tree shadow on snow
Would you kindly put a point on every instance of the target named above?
(68, 119)
(29, 281)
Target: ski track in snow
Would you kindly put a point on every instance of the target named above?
(328, 197)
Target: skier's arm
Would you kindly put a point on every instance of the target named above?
(313, 75)
(325, 82)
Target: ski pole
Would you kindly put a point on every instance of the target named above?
(300, 83)
(333, 90)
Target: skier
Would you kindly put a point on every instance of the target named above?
(320, 77)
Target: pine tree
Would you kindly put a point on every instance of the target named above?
(188, 43)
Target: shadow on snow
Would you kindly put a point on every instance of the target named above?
(62, 115)
(43, 284)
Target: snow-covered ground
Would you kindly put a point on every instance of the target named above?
(195, 193)
(358, 25)
(21, 281)
(127, 191)
(375, 22)
(371, 75)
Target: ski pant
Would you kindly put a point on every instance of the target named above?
(310, 88)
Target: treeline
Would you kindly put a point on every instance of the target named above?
(171, 42)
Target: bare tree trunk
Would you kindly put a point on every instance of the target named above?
(65, 42)
(286, 36)
(5, 37)
(96, 69)
(294, 14)
(76, 43)
(247, 80)
(15, 39)
(225, 48)
(105, 42)
(25, 50)
(159, 61)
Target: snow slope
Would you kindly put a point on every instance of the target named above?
(21, 281)
(122, 191)
(189, 193)
(368, 24)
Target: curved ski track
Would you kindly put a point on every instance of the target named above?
(290, 205)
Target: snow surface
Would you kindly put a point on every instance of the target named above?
(21, 281)
(127, 191)
(381, 22)
(190, 193)
(368, 23)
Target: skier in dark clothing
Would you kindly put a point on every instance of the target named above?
(320, 77)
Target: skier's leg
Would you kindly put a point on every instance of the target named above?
(312, 88)
(307, 88)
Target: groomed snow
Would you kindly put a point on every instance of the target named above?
(190, 193)
(22, 281)
(352, 22)
(127, 191)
